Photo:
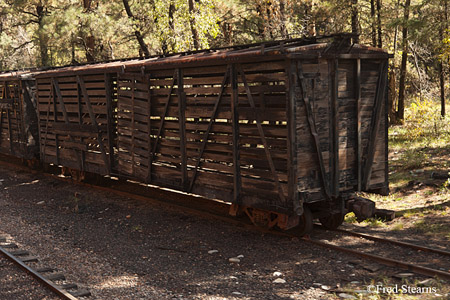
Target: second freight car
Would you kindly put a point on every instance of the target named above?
(285, 131)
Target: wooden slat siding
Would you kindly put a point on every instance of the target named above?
(47, 119)
(208, 130)
(163, 117)
(80, 121)
(55, 120)
(148, 177)
(66, 120)
(312, 127)
(216, 167)
(11, 144)
(85, 94)
(133, 134)
(235, 129)
(316, 86)
(20, 121)
(262, 136)
(358, 120)
(182, 124)
(1, 124)
(334, 134)
(378, 178)
(375, 123)
(110, 120)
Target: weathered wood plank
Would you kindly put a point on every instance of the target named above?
(235, 130)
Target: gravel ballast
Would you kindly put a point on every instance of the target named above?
(120, 248)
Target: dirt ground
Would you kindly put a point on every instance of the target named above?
(121, 248)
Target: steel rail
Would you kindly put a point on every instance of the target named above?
(385, 261)
(394, 242)
(47, 283)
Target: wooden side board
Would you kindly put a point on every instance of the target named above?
(17, 135)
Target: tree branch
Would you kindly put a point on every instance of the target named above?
(22, 46)
(28, 13)
(137, 33)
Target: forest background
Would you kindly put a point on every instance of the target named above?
(45, 33)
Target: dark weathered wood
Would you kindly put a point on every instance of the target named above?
(262, 136)
(6, 103)
(133, 134)
(375, 123)
(72, 127)
(334, 118)
(208, 130)
(47, 119)
(93, 120)
(11, 144)
(312, 127)
(291, 140)
(235, 125)
(109, 112)
(182, 124)
(233, 139)
(358, 122)
(163, 117)
(149, 127)
(80, 121)
(66, 119)
(1, 124)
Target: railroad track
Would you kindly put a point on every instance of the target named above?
(219, 210)
(391, 262)
(45, 275)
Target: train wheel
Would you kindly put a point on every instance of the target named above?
(305, 225)
(332, 221)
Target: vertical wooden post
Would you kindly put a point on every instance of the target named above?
(334, 128)
(11, 146)
(182, 123)
(292, 87)
(358, 122)
(80, 121)
(55, 120)
(149, 128)
(235, 129)
(385, 190)
(1, 125)
(375, 124)
(110, 120)
(133, 130)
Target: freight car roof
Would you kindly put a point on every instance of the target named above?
(295, 48)
(21, 74)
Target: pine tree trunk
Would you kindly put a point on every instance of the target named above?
(441, 64)
(372, 19)
(193, 24)
(89, 41)
(137, 33)
(355, 21)
(42, 37)
(284, 33)
(401, 89)
(442, 85)
(380, 32)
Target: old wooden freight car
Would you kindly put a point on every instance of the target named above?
(281, 130)
(18, 120)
